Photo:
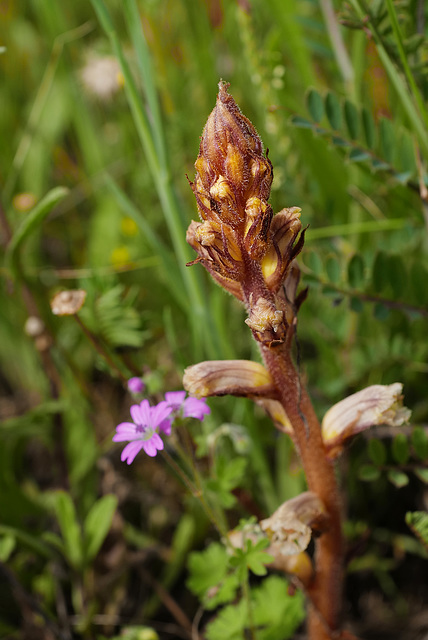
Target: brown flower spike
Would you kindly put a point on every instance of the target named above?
(239, 238)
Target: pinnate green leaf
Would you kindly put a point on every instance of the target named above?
(333, 111)
(350, 113)
(315, 105)
(400, 448)
(377, 451)
(356, 271)
(419, 439)
(398, 478)
(422, 474)
(368, 473)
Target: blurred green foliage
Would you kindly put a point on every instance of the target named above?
(102, 107)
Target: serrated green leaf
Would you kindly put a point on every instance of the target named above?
(301, 123)
(387, 139)
(422, 474)
(369, 128)
(368, 473)
(356, 271)
(276, 613)
(400, 448)
(377, 452)
(315, 105)
(207, 568)
(333, 111)
(333, 269)
(398, 478)
(229, 623)
(70, 529)
(97, 524)
(350, 113)
(419, 440)
(358, 155)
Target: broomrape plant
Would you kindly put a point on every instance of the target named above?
(251, 253)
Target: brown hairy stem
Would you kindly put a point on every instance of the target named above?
(326, 589)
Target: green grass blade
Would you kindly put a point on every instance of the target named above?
(32, 222)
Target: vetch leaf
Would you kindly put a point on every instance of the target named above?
(339, 142)
(7, 545)
(333, 111)
(97, 525)
(400, 448)
(368, 473)
(422, 474)
(380, 275)
(351, 118)
(315, 105)
(356, 304)
(377, 451)
(398, 478)
(358, 155)
(301, 123)
(356, 271)
(380, 311)
(419, 441)
(369, 128)
(397, 274)
(379, 165)
(418, 279)
(333, 270)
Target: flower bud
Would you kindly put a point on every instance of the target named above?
(378, 404)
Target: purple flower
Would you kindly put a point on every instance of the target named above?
(135, 385)
(142, 433)
(191, 407)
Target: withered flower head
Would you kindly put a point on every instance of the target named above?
(290, 526)
(239, 235)
(378, 404)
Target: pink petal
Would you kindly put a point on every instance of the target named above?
(130, 451)
(195, 408)
(136, 414)
(160, 412)
(175, 398)
(165, 427)
(145, 412)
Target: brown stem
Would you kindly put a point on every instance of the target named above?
(326, 589)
